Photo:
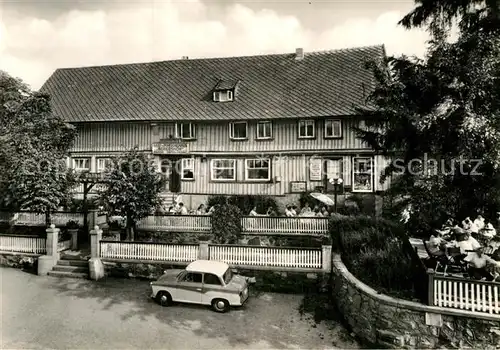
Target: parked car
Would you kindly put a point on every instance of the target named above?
(205, 282)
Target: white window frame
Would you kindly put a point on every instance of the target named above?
(247, 168)
(104, 159)
(179, 130)
(331, 122)
(231, 131)
(223, 96)
(307, 122)
(264, 122)
(212, 172)
(187, 164)
(372, 174)
(88, 159)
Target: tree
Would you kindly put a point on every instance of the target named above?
(445, 107)
(132, 188)
(34, 144)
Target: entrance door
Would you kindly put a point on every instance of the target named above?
(175, 176)
(334, 170)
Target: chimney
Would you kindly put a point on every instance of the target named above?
(299, 53)
(185, 57)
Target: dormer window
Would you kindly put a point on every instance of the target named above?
(223, 96)
(225, 90)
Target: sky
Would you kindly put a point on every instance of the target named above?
(39, 36)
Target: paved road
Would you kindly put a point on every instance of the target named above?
(47, 312)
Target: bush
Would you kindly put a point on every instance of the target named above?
(246, 203)
(378, 253)
(226, 224)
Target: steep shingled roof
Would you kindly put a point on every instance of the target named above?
(328, 83)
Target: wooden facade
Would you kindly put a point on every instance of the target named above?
(289, 156)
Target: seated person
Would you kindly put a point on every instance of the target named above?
(182, 210)
(271, 212)
(434, 245)
(288, 211)
(466, 243)
(489, 231)
(253, 212)
(479, 222)
(478, 265)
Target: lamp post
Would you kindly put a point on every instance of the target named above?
(335, 182)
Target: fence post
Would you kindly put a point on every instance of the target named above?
(46, 262)
(95, 238)
(430, 294)
(203, 253)
(326, 255)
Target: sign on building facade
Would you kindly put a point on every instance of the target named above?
(173, 146)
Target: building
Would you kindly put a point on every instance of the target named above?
(266, 125)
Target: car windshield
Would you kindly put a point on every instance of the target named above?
(228, 276)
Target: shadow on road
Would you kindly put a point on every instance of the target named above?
(269, 317)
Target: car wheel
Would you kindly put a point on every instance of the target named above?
(163, 298)
(220, 305)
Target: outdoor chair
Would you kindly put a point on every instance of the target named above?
(437, 260)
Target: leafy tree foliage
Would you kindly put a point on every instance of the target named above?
(226, 223)
(34, 144)
(132, 188)
(445, 107)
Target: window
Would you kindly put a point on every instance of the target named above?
(223, 96)
(223, 169)
(257, 169)
(187, 169)
(238, 130)
(362, 180)
(212, 279)
(102, 164)
(306, 129)
(194, 277)
(186, 131)
(264, 130)
(333, 128)
(81, 164)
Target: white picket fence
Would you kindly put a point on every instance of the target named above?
(300, 258)
(310, 259)
(284, 225)
(479, 296)
(176, 223)
(26, 218)
(22, 244)
(149, 251)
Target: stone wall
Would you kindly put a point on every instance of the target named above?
(18, 260)
(394, 323)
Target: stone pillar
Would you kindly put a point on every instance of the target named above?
(96, 267)
(326, 253)
(204, 252)
(47, 262)
(95, 238)
(52, 240)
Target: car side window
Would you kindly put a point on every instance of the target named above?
(212, 279)
(192, 277)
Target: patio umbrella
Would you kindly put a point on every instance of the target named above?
(323, 198)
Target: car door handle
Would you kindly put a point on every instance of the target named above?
(199, 289)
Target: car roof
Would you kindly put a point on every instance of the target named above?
(208, 266)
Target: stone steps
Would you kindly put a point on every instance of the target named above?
(71, 262)
(71, 267)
